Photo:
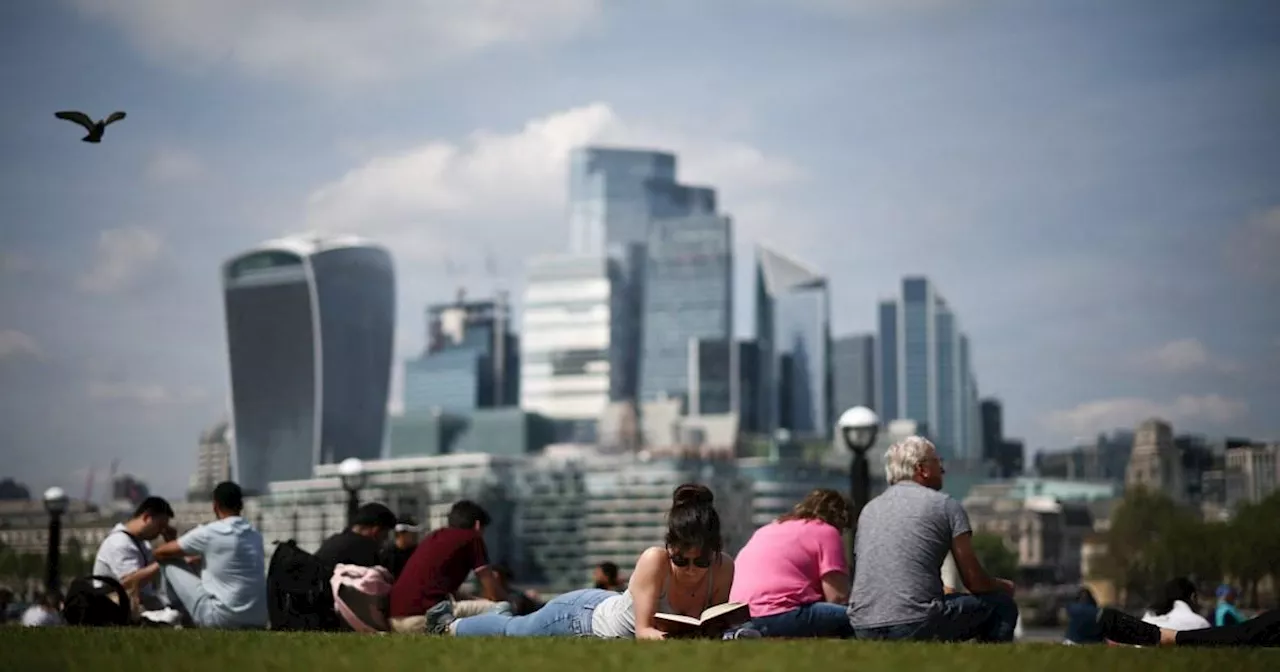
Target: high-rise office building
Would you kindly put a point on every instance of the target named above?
(213, 462)
(471, 360)
(614, 197)
(310, 324)
(688, 298)
(853, 376)
(923, 369)
(793, 335)
(569, 341)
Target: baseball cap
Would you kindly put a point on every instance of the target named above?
(406, 524)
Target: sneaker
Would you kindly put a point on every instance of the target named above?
(742, 633)
(1122, 628)
(439, 617)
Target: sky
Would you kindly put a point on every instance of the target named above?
(1093, 186)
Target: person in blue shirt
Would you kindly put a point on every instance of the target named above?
(1082, 620)
(1226, 613)
(231, 592)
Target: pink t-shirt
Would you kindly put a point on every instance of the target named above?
(781, 567)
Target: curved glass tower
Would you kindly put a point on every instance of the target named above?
(310, 329)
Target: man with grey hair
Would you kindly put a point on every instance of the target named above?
(902, 538)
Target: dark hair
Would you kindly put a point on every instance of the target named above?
(466, 513)
(610, 570)
(374, 514)
(154, 507)
(1180, 588)
(1085, 596)
(228, 497)
(825, 505)
(693, 521)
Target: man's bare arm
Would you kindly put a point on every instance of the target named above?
(974, 575)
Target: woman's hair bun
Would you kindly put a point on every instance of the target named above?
(692, 494)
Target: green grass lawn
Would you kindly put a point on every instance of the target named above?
(191, 651)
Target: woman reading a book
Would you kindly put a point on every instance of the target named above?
(793, 571)
(670, 592)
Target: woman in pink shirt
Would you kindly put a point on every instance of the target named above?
(793, 572)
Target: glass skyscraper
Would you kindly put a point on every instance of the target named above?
(467, 365)
(853, 372)
(614, 197)
(793, 336)
(688, 297)
(923, 372)
(310, 324)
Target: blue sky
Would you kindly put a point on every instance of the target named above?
(1094, 186)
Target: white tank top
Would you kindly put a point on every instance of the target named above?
(615, 617)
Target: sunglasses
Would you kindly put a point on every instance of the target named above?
(701, 562)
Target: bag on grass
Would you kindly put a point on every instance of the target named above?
(298, 592)
(361, 596)
(96, 601)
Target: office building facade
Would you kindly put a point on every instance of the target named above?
(310, 325)
(570, 341)
(853, 379)
(793, 337)
(688, 300)
(924, 372)
(471, 361)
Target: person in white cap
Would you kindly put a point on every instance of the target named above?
(397, 553)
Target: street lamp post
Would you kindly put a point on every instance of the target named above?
(858, 427)
(351, 470)
(55, 502)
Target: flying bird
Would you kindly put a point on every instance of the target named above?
(96, 129)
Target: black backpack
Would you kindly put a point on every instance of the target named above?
(298, 593)
(88, 603)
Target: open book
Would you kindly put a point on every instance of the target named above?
(714, 621)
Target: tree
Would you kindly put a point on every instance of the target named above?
(995, 557)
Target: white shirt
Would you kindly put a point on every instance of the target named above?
(119, 556)
(1180, 617)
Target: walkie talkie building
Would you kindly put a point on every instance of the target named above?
(310, 330)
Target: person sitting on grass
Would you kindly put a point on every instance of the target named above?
(439, 566)
(607, 578)
(125, 553)
(1178, 609)
(231, 592)
(1226, 612)
(396, 555)
(1121, 628)
(687, 575)
(902, 539)
(361, 543)
(793, 573)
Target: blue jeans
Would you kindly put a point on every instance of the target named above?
(990, 617)
(569, 614)
(820, 619)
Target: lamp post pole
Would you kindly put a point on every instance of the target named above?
(858, 427)
(55, 503)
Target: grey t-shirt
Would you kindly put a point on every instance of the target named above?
(903, 536)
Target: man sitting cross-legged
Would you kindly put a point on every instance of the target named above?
(439, 566)
(902, 539)
(125, 553)
(231, 592)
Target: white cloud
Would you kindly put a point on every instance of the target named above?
(121, 257)
(336, 42)
(174, 165)
(1107, 414)
(14, 343)
(1183, 356)
(513, 185)
(143, 394)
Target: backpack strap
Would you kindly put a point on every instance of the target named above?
(137, 543)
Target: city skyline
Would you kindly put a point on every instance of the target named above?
(1101, 210)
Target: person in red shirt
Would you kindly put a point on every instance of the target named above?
(440, 564)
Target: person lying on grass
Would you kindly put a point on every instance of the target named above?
(685, 577)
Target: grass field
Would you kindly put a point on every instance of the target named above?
(192, 651)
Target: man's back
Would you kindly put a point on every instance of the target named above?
(438, 566)
(902, 538)
(234, 568)
(349, 548)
